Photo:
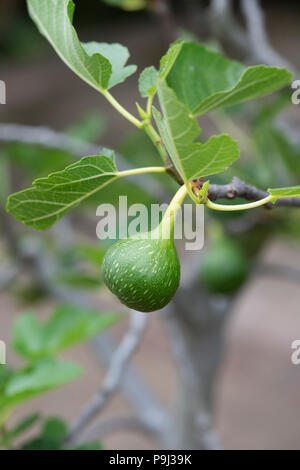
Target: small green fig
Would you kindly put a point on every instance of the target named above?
(224, 267)
(143, 273)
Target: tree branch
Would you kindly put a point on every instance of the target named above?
(254, 41)
(238, 188)
(225, 26)
(47, 138)
(196, 336)
(115, 424)
(114, 375)
(194, 423)
(258, 38)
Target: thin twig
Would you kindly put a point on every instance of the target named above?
(46, 137)
(253, 43)
(258, 38)
(193, 332)
(114, 375)
(225, 26)
(115, 424)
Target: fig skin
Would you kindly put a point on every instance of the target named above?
(143, 273)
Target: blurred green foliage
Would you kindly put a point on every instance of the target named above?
(39, 344)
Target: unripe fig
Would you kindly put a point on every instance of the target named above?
(224, 267)
(143, 273)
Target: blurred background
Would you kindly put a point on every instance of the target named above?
(238, 305)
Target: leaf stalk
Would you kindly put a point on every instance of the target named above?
(238, 207)
(139, 171)
(127, 115)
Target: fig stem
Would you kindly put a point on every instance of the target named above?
(176, 201)
(166, 227)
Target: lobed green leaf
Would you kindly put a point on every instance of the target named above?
(66, 327)
(149, 77)
(179, 131)
(205, 80)
(41, 377)
(52, 197)
(118, 56)
(100, 65)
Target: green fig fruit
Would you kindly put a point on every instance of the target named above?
(143, 273)
(224, 267)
